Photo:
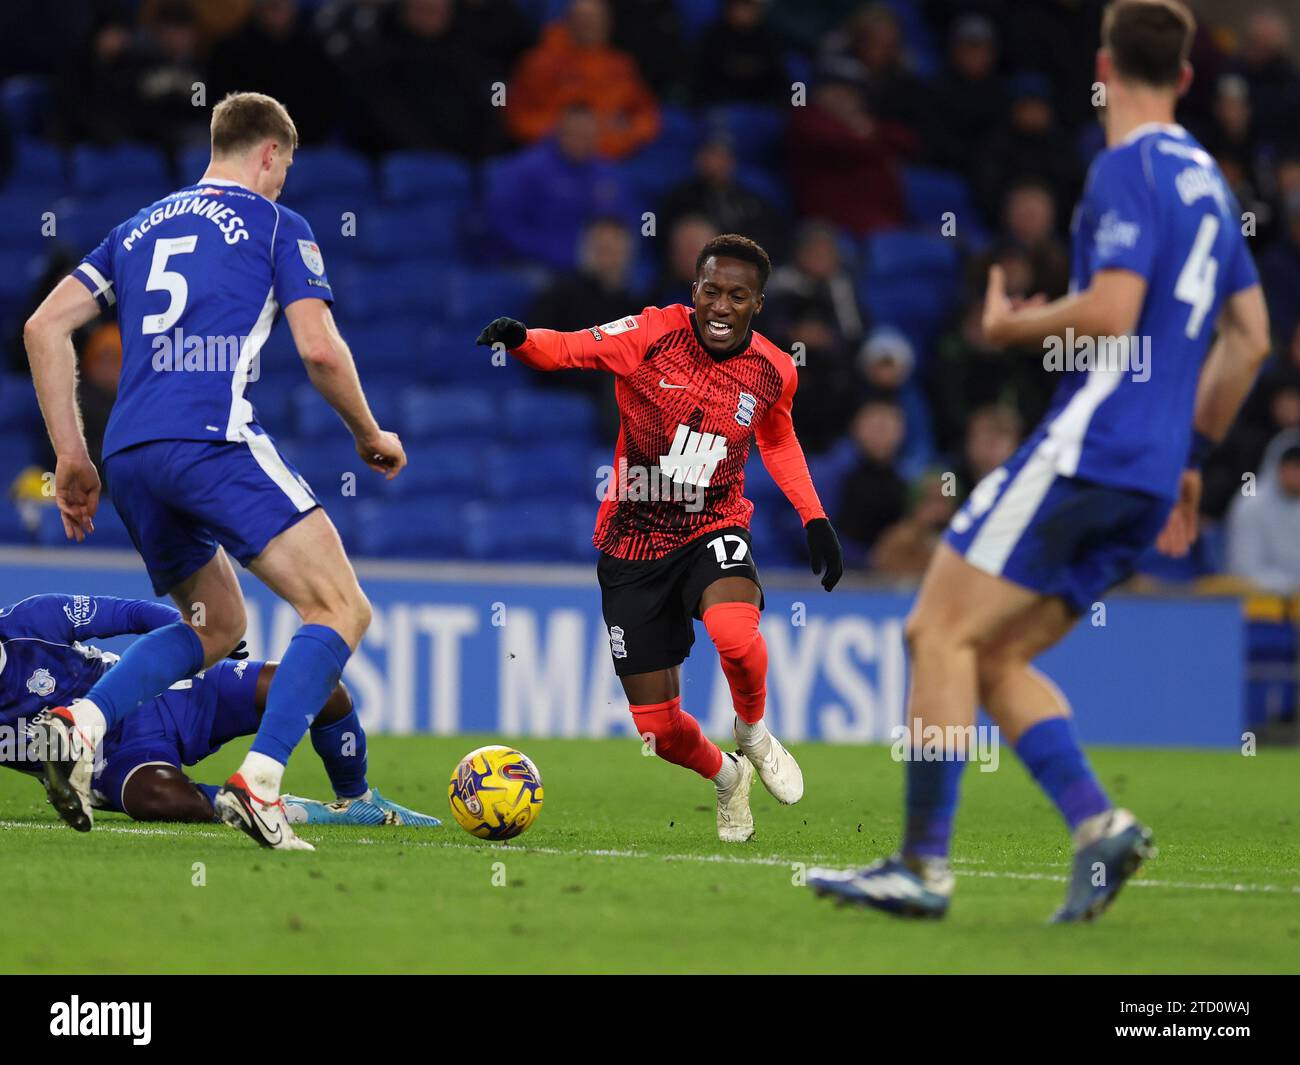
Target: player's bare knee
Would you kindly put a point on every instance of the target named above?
(166, 795)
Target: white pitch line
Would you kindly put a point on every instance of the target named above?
(701, 859)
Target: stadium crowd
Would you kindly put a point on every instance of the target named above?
(564, 160)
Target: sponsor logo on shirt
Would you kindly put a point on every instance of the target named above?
(694, 456)
(81, 611)
(1114, 233)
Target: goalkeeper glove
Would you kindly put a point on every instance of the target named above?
(505, 331)
(824, 551)
(240, 652)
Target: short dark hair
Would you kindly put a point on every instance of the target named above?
(1149, 40)
(243, 119)
(734, 246)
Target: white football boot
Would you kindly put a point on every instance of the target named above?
(70, 761)
(266, 822)
(776, 766)
(735, 819)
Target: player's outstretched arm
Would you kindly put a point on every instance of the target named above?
(617, 347)
(334, 374)
(48, 339)
(1109, 307)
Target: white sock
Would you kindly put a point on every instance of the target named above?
(728, 774)
(262, 774)
(89, 720)
(748, 735)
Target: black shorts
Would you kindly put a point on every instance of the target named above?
(650, 606)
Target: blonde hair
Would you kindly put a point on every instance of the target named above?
(243, 119)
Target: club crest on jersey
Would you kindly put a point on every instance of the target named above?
(745, 407)
(616, 645)
(81, 611)
(311, 256)
(41, 683)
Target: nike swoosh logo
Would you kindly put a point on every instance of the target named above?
(266, 828)
(732, 565)
(664, 383)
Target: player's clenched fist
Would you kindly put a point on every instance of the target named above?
(505, 331)
(383, 452)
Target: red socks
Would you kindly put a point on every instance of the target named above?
(676, 737)
(734, 629)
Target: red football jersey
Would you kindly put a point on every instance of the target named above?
(687, 419)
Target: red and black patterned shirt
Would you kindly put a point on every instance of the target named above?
(687, 418)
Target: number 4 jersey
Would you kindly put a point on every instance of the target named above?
(1157, 205)
(687, 418)
(198, 279)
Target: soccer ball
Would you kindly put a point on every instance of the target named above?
(495, 792)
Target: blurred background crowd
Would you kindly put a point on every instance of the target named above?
(562, 161)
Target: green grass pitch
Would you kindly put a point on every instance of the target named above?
(623, 873)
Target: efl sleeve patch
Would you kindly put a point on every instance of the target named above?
(622, 325)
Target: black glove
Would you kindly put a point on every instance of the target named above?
(824, 550)
(504, 330)
(240, 652)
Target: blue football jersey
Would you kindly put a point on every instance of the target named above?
(44, 659)
(1157, 205)
(198, 279)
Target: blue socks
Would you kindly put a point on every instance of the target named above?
(931, 806)
(342, 747)
(150, 666)
(303, 681)
(1051, 753)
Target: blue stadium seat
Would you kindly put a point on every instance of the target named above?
(12, 528)
(550, 472)
(531, 531)
(83, 223)
(479, 295)
(413, 233)
(766, 182)
(892, 254)
(549, 414)
(323, 462)
(19, 271)
(22, 219)
(141, 167)
(18, 409)
(930, 193)
(760, 489)
(191, 163)
(109, 530)
(423, 530)
(462, 413)
(18, 450)
(678, 126)
(26, 103)
(756, 131)
(429, 177)
(38, 167)
(329, 170)
(379, 291)
(313, 417)
(386, 345)
(451, 469)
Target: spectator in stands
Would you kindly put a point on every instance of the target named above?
(600, 290)
(829, 389)
(496, 33)
(843, 161)
(413, 84)
(276, 52)
(731, 206)
(816, 283)
(738, 60)
(885, 363)
(1279, 270)
(689, 234)
(904, 549)
(574, 64)
(968, 96)
(1029, 220)
(138, 84)
(1029, 143)
(873, 496)
(539, 200)
(871, 44)
(992, 436)
(1269, 70)
(1264, 528)
(651, 32)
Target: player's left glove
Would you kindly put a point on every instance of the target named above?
(240, 652)
(824, 551)
(506, 331)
